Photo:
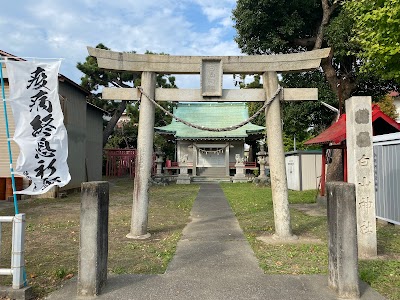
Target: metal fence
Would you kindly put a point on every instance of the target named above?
(121, 162)
(387, 177)
(17, 252)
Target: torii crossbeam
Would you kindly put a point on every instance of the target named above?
(211, 70)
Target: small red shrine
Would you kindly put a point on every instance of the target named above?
(335, 138)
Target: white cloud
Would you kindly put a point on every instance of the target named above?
(48, 28)
(227, 22)
(215, 10)
(214, 13)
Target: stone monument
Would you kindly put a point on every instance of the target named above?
(262, 179)
(262, 159)
(360, 162)
(159, 160)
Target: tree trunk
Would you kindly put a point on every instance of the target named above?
(326, 15)
(347, 86)
(335, 171)
(330, 73)
(111, 124)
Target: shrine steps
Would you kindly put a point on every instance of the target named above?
(211, 172)
(202, 179)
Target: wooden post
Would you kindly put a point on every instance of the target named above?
(345, 177)
(227, 167)
(194, 173)
(323, 175)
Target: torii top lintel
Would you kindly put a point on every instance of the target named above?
(171, 64)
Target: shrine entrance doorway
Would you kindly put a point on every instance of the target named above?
(209, 157)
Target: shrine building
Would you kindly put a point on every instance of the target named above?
(212, 153)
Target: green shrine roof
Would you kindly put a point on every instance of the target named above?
(214, 115)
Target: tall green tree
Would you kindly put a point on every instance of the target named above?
(301, 120)
(386, 104)
(95, 79)
(307, 118)
(376, 31)
(289, 26)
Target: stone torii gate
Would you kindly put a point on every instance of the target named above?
(211, 70)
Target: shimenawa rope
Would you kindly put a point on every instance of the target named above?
(233, 127)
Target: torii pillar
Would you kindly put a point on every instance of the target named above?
(277, 160)
(144, 160)
(211, 70)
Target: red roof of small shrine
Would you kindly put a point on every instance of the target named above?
(381, 124)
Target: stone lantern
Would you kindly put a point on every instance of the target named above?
(262, 159)
(159, 160)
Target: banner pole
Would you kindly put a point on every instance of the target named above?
(8, 139)
(3, 92)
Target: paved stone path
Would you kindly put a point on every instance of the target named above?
(213, 261)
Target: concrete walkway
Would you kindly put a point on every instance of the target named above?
(213, 261)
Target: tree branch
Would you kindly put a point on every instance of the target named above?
(330, 73)
(124, 85)
(326, 15)
(348, 84)
(119, 83)
(111, 124)
(305, 42)
(333, 7)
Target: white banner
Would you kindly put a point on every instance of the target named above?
(39, 125)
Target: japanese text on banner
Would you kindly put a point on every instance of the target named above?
(39, 128)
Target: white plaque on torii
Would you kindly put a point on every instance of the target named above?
(211, 77)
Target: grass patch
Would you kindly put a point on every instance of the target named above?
(254, 209)
(52, 234)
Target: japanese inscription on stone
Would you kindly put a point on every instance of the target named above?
(366, 227)
(360, 170)
(363, 140)
(362, 116)
(211, 78)
(363, 161)
(365, 204)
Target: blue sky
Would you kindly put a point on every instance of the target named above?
(54, 28)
